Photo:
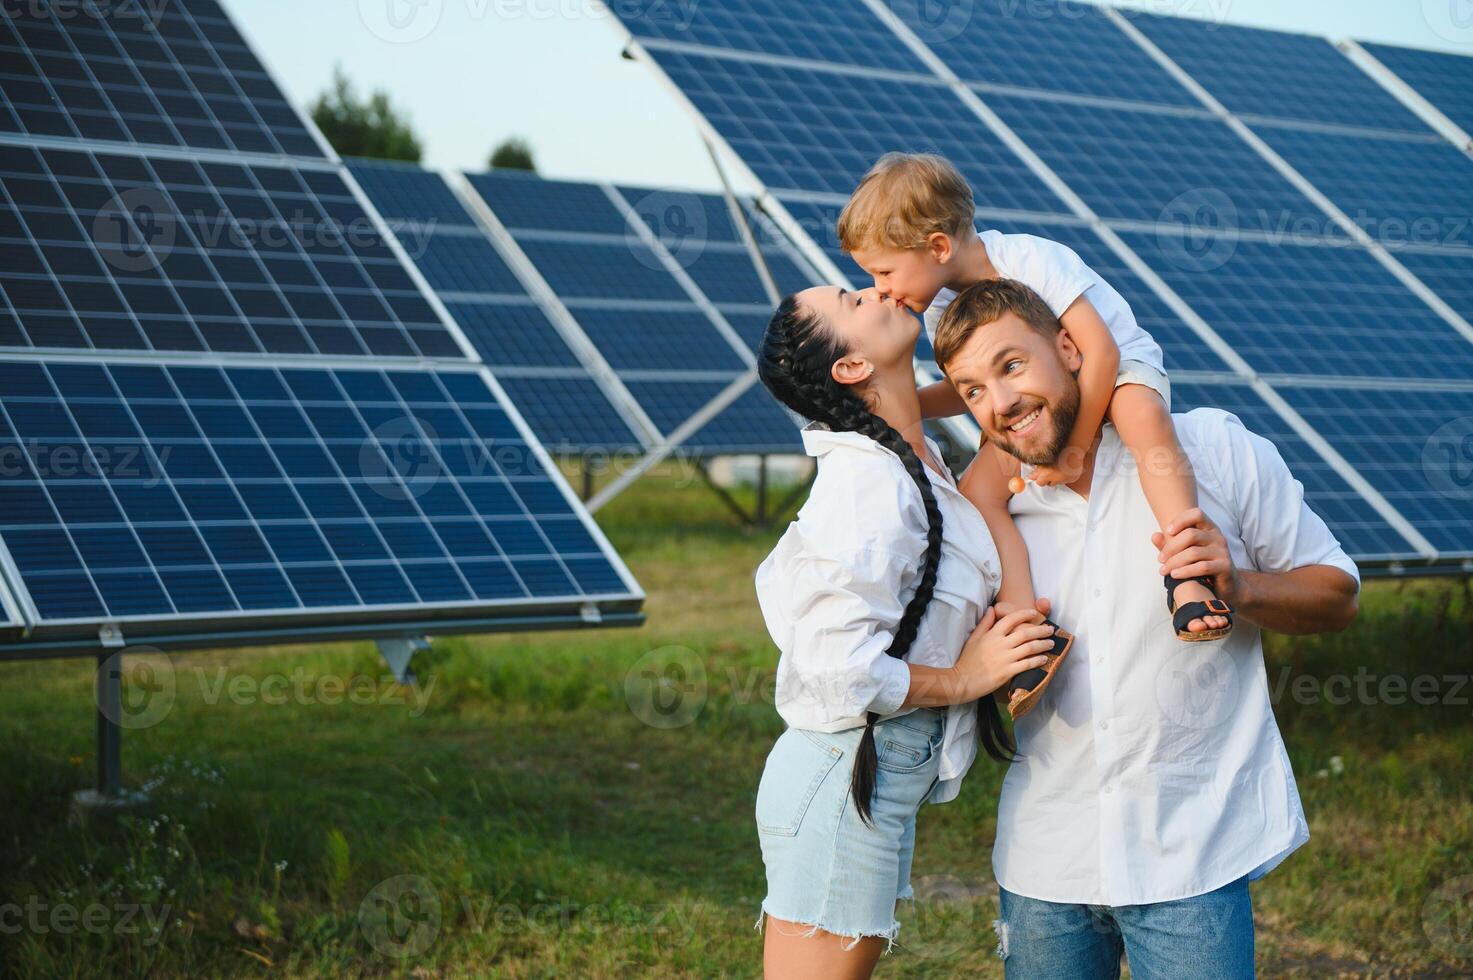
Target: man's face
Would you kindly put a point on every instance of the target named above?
(911, 276)
(1020, 386)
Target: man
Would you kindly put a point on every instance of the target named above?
(1153, 784)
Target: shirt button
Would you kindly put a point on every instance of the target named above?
(1107, 789)
(1104, 725)
(1098, 593)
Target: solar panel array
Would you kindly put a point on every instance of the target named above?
(1199, 167)
(659, 303)
(228, 409)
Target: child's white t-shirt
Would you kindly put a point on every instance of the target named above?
(1053, 271)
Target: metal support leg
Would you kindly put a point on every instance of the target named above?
(761, 517)
(109, 735)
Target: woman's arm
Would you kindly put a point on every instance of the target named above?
(1096, 387)
(996, 651)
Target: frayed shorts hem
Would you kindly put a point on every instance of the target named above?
(813, 927)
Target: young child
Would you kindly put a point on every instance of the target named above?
(909, 224)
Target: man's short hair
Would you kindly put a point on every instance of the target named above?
(986, 302)
(904, 198)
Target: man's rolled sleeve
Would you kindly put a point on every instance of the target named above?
(1278, 527)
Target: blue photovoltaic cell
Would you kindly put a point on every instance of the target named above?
(602, 269)
(679, 218)
(115, 251)
(155, 492)
(1359, 528)
(1151, 166)
(173, 74)
(1445, 80)
(566, 408)
(1413, 446)
(728, 276)
(523, 200)
(1272, 73)
(660, 340)
(842, 31)
(820, 131)
(756, 423)
(1398, 190)
(405, 192)
(570, 414)
(1044, 44)
(1309, 310)
(1449, 274)
(1181, 348)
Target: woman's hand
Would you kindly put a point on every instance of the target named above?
(1001, 648)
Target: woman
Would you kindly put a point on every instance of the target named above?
(861, 664)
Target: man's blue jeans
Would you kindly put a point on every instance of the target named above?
(1207, 935)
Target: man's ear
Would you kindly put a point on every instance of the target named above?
(851, 370)
(939, 244)
(1068, 352)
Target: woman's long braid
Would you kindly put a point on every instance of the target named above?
(794, 363)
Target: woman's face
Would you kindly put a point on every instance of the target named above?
(876, 329)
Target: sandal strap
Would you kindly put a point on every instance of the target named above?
(1213, 606)
(1032, 677)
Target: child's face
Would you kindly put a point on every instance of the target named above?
(910, 276)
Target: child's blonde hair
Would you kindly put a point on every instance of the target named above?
(904, 198)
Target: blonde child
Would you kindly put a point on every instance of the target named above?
(909, 224)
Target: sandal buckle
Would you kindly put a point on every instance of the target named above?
(1219, 607)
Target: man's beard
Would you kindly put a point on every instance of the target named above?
(1061, 414)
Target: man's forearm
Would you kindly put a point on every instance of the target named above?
(1311, 599)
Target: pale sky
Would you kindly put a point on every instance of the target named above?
(472, 72)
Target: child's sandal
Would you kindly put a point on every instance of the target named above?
(1034, 681)
(1182, 618)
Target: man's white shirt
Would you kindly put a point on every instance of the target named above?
(1153, 769)
(834, 588)
(1059, 276)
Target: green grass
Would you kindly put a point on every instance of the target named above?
(552, 832)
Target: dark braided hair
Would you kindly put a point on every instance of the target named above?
(795, 361)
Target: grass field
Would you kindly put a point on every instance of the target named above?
(527, 818)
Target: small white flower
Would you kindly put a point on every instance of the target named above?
(1337, 764)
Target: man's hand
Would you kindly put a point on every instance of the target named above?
(1193, 546)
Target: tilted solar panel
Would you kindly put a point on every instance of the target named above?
(158, 74)
(1236, 270)
(1443, 79)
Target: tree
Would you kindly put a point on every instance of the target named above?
(514, 153)
(357, 128)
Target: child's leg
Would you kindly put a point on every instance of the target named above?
(985, 484)
(1144, 423)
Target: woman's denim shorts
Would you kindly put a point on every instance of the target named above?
(826, 869)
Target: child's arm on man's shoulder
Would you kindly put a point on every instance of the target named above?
(940, 400)
(1101, 356)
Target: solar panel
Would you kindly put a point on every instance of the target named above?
(152, 492)
(163, 74)
(814, 130)
(552, 388)
(647, 325)
(1060, 47)
(121, 251)
(1229, 243)
(1398, 190)
(232, 412)
(839, 31)
(1259, 72)
(1361, 530)
(1413, 446)
(1445, 80)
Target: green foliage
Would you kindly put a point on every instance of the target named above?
(513, 153)
(359, 128)
(335, 863)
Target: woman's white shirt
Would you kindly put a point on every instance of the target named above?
(834, 588)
